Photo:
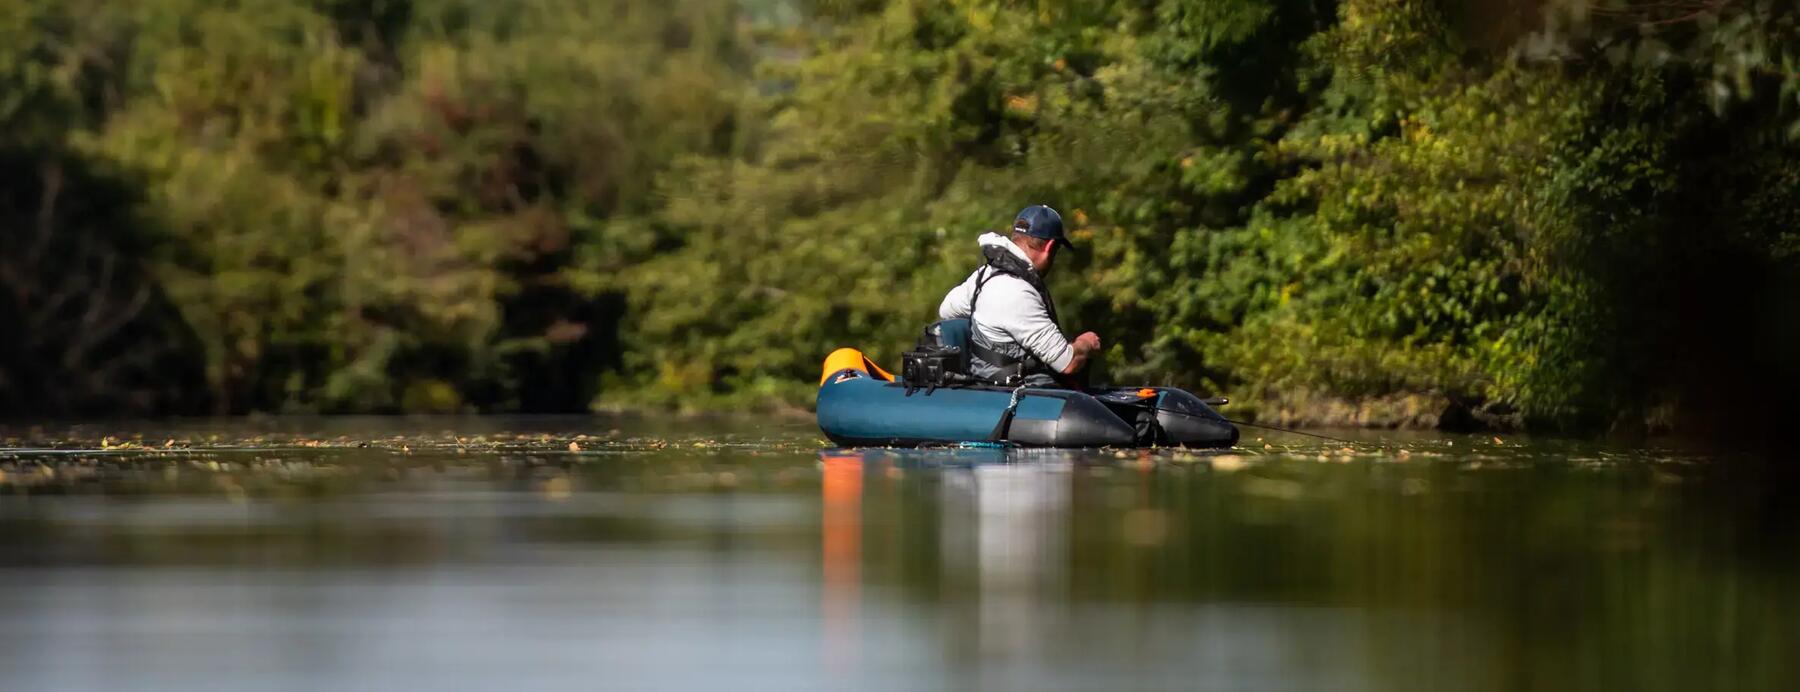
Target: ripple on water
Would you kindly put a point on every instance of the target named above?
(550, 553)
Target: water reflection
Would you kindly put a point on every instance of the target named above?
(743, 555)
(840, 556)
(1004, 526)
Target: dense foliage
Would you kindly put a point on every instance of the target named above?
(345, 205)
(1373, 211)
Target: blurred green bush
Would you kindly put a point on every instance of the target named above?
(1367, 211)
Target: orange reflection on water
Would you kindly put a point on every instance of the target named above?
(840, 555)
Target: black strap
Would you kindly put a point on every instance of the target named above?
(1012, 368)
(1015, 364)
(986, 273)
(1003, 261)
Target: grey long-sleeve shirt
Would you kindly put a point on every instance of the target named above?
(1012, 314)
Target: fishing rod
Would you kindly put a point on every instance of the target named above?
(1216, 402)
(1006, 417)
(1288, 431)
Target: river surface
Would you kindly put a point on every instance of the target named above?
(635, 554)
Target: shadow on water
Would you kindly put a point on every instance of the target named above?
(637, 554)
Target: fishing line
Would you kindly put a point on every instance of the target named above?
(1291, 432)
(1264, 427)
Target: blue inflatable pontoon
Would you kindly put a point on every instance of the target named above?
(862, 405)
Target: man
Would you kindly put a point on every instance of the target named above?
(1014, 337)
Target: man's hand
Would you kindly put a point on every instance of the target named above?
(1084, 346)
(1087, 343)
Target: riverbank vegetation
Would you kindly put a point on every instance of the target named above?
(1556, 215)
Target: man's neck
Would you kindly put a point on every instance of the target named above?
(1023, 253)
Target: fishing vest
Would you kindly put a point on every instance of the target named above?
(1006, 363)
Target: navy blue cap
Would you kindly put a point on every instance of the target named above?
(1040, 221)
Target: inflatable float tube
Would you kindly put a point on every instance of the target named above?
(861, 405)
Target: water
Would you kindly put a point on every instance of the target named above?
(631, 554)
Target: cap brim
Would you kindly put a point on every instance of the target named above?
(1068, 245)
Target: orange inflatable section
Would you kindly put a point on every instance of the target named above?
(851, 359)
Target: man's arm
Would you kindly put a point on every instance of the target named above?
(1030, 326)
(956, 302)
(1084, 346)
